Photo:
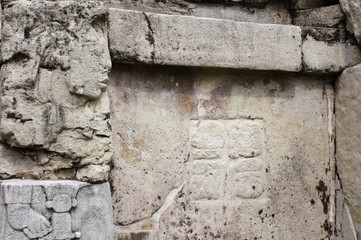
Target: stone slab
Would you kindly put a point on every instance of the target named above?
(319, 56)
(190, 41)
(329, 16)
(219, 153)
(348, 139)
(50, 210)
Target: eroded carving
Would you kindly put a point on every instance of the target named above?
(227, 160)
(54, 75)
(45, 210)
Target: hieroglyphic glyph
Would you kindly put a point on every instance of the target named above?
(227, 160)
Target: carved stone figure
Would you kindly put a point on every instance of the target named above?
(54, 75)
(54, 210)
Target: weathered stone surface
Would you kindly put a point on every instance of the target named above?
(168, 40)
(307, 4)
(329, 16)
(273, 13)
(49, 210)
(352, 9)
(348, 139)
(54, 74)
(248, 2)
(320, 56)
(215, 153)
(344, 227)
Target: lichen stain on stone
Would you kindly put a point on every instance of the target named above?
(216, 90)
(147, 225)
(131, 151)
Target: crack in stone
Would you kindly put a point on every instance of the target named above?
(149, 36)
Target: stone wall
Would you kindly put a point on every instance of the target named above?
(220, 119)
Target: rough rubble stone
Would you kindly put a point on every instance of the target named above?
(219, 154)
(248, 2)
(49, 210)
(54, 74)
(348, 139)
(319, 56)
(352, 9)
(306, 4)
(164, 39)
(329, 16)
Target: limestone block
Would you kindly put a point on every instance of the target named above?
(320, 56)
(219, 153)
(348, 139)
(352, 9)
(329, 16)
(54, 75)
(169, 40)
(49, 210)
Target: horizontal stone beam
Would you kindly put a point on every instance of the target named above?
(191, 41)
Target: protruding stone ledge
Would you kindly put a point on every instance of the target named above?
(190, 41)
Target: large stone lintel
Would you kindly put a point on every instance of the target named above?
(190, 41)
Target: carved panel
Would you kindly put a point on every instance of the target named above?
(227, 160)
(47, 210)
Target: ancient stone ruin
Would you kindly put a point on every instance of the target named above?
(180, 119)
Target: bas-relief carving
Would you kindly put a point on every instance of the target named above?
(227, 160)
(52, 210)
(54, 75)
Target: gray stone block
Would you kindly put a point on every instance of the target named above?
(319, 56)
(329, 16)
(348, 139)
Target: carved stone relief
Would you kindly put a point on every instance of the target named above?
(52, 210)
(227, 160)
(54, 75)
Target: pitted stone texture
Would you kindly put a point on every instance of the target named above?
(248, 2)
(149, 114)
(306, 4)
(348, 139)
(215, 153)
(329, 16)
(50, 210)
(319, 56)
(168, 40)
(352, 9)
(54, 74)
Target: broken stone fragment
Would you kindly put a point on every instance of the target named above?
(352, 9)
(329, 16)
